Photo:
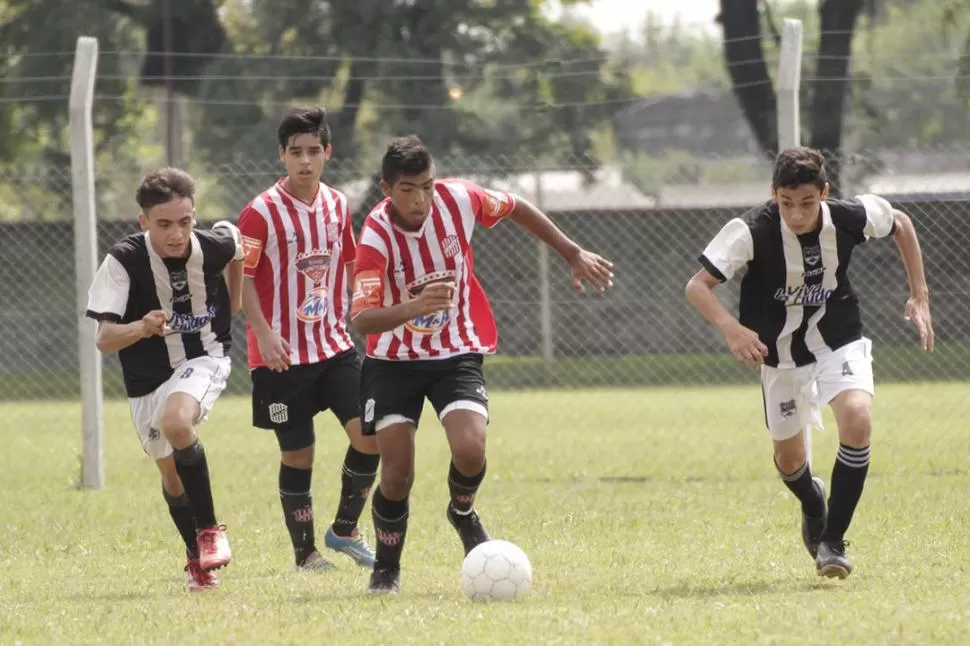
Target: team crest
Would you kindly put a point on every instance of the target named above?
(436, 321)
(450, 246)
(813, 255)
(315, 265)
(787, 408)
(333, 231)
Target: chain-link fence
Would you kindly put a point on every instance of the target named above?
(641, 334)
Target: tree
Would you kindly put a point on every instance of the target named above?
(744, 57)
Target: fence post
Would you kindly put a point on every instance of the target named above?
(86, 258)
(789, 117)
(789, 82)
(545, 298)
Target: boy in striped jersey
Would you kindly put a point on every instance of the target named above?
(800, 324)
(299, 258)
(164, 299)
(429, 325)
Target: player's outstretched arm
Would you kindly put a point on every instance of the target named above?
(113, 337)
(744, 343)
(437, 297)
(585, 265)
(918, 303)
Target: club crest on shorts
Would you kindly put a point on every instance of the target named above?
(430, 323)
(787, 408)
(315, 265)
(278, 413)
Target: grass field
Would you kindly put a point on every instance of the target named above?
(650, 516)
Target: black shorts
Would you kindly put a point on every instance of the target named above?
(397, 389)
(294, 396)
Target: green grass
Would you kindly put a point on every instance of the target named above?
(650, 516)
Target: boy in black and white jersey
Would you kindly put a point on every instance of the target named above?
(164, 299)
(800, 324)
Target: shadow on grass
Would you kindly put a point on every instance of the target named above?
(739, 589)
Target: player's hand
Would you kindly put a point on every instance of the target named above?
(436, 297)
(154, 323)
(745, 345)
(918, 311)
(275, 351)
(593, 268)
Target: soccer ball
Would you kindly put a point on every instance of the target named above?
(496, 571)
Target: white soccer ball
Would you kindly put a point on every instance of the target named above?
(496, 571)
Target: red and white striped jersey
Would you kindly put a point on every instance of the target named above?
(297, 253)
(394, 265)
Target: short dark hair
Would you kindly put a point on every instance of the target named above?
(300, 121)
(405, 156)
(162, 185)
(798, 166)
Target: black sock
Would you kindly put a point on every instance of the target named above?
(357, 477)
(800, 483)
(181, 513)
(848, 479)
(297, 504)
(390, 526)
(463, 488)
(191, 465)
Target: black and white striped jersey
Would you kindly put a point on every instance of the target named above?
(134, 280)
(795, 292)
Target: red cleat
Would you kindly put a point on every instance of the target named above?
(199, 579)
(214, 551)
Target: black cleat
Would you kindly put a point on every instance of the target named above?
(812, 528)
(385, 580)
(831, 561)
(469, 528)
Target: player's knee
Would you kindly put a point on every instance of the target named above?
(363, 443)
(396, 480)
(788, 463)
(178, 426)
(790, 454)
(468, 454)
(855, 425)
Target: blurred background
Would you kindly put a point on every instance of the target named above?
(639, 127)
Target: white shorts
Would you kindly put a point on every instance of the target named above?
(794, 396)
(203, 378)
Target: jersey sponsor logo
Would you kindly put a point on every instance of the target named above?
(806, 295)
(252, 249)
(429, 323)
(314, 306)
(315, 265)
(188, 323)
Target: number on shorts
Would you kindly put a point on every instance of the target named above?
(187, 373)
